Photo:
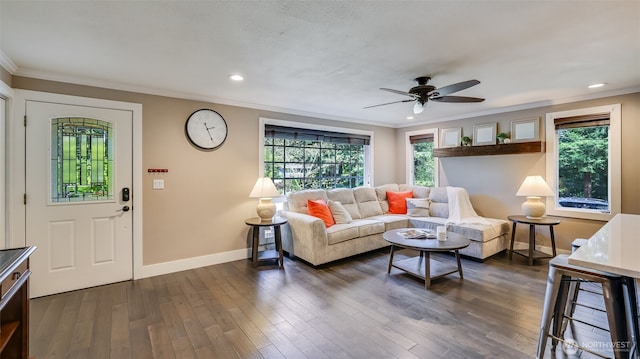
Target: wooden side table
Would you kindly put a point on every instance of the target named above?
(276, 254)
(532, 253)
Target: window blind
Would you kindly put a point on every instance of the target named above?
(426, 137)
(598, 119)
(292, 133)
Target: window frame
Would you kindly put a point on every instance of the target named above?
(368, 153)
(615, 167)
(410, 171)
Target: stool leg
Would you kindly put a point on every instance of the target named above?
(574, 288)
(560, 308)
(551, 293)
(614, 303)
(631, 304)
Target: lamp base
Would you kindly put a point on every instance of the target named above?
(266, 209)
(533, 208)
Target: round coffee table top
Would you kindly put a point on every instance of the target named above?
(454, 241)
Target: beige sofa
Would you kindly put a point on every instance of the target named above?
(308, 238)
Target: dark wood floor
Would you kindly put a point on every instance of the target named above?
(350, 309)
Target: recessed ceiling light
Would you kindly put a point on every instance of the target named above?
(409, 117)
(593, 86)
(236, 77)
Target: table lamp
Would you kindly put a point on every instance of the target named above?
(265, 190)
(533, 188)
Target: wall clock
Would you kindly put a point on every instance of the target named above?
(206, 129)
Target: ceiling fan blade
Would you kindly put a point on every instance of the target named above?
(388, 103)
(400, 92)
(443, 91)
(457, 99)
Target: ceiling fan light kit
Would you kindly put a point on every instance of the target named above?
(423, 92)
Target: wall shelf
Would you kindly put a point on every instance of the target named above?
(490, 150)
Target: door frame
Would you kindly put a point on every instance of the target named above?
(17, 164)
(6, 93)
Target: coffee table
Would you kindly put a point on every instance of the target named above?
(422, 266)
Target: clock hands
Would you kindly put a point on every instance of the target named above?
(208, 128)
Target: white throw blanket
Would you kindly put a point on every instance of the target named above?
(461, 211)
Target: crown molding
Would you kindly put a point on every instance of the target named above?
(6, 62)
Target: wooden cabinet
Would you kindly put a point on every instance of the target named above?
(14, 302)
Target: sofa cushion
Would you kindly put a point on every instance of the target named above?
(398, 201)
(367, 200)
(392, 221)
(342, 232)
(418, 191)
(438, 195)
(482, 232)
(439, 210)
(340, 214)
(418, 207)
(439, 202)
(346, 198)
(367, 227)
(381, 193)
(475, 232)
(297, 201)
(321, 210)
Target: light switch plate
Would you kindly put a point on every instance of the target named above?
(158, 184)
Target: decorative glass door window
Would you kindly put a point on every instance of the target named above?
(81, 160)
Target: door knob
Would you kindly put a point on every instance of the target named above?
(124, 209)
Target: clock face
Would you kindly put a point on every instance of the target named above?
(206, 129)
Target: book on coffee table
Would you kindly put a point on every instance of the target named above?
(418, 234)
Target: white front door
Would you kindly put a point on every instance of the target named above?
(78, 178)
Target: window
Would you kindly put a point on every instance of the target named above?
(81, 160)
(422, 166)
(583, 165)
(307, 157)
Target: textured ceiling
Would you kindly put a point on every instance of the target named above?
(329, 59)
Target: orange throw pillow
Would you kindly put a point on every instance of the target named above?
(398, 201)
(320, 209)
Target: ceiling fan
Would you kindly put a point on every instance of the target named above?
(424, 92)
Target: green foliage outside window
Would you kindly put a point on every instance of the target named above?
(583, 164)
(423, 164)
(306, 164)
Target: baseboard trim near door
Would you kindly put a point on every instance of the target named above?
(152, 270)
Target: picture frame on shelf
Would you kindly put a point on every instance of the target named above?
(527, 130)
(484, 134)
(450, 137)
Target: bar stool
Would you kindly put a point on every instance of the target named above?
(574, 290)
(619, 298)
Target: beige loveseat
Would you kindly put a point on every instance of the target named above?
(308, 238)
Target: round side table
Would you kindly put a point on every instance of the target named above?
(531, 252)
(255, 224)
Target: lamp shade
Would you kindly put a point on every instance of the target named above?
(534, 186)
(264, 187)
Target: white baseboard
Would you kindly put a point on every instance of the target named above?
(545, 249)
(152, 270)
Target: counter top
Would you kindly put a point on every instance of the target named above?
(614, 248)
